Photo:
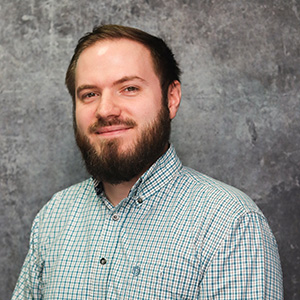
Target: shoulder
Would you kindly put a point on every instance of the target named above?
(217, 194)
(63, 205)
(213, 208)
(208, 194)
(219, 213)
(70, 196)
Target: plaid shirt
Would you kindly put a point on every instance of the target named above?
(178, 235)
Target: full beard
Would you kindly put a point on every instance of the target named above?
(109, 164)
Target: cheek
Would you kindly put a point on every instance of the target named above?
(151, 114)
(148, 111)
(83, 119)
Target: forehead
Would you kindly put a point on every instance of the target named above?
(112, 59)
(117, 51)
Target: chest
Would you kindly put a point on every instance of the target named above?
(131, 254)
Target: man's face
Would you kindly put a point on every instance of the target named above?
(121, 125)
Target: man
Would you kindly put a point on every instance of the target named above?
(144, 226)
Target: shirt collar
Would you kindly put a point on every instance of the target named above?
(159, 174)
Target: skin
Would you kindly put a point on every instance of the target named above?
(115, 79)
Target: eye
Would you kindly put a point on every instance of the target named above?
(131, 89)
(89, 95)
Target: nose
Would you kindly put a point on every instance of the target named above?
(108, 106)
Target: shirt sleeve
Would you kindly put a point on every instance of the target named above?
(247, 264)
(30, 279)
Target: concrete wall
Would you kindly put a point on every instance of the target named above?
(239, 120)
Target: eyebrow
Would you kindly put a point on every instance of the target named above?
(128, 78)
(119, 81)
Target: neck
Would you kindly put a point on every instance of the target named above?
(115, 193)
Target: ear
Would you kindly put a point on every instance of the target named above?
(174, 97)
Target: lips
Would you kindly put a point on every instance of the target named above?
(114, 129)
(111, 126)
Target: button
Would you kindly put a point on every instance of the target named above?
(136, 271)
(140, 200)
(115, 217)
(102, 261)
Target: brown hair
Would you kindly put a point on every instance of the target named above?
(164, 62)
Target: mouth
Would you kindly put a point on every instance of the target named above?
(112, 130)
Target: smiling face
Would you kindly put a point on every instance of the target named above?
(119, 116)
(115, 80)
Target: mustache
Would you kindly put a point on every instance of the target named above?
(104, 122)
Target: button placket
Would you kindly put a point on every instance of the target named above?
(103, 259)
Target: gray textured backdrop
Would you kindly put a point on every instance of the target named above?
(239, 119)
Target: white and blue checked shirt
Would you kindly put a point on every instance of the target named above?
(178, 235)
